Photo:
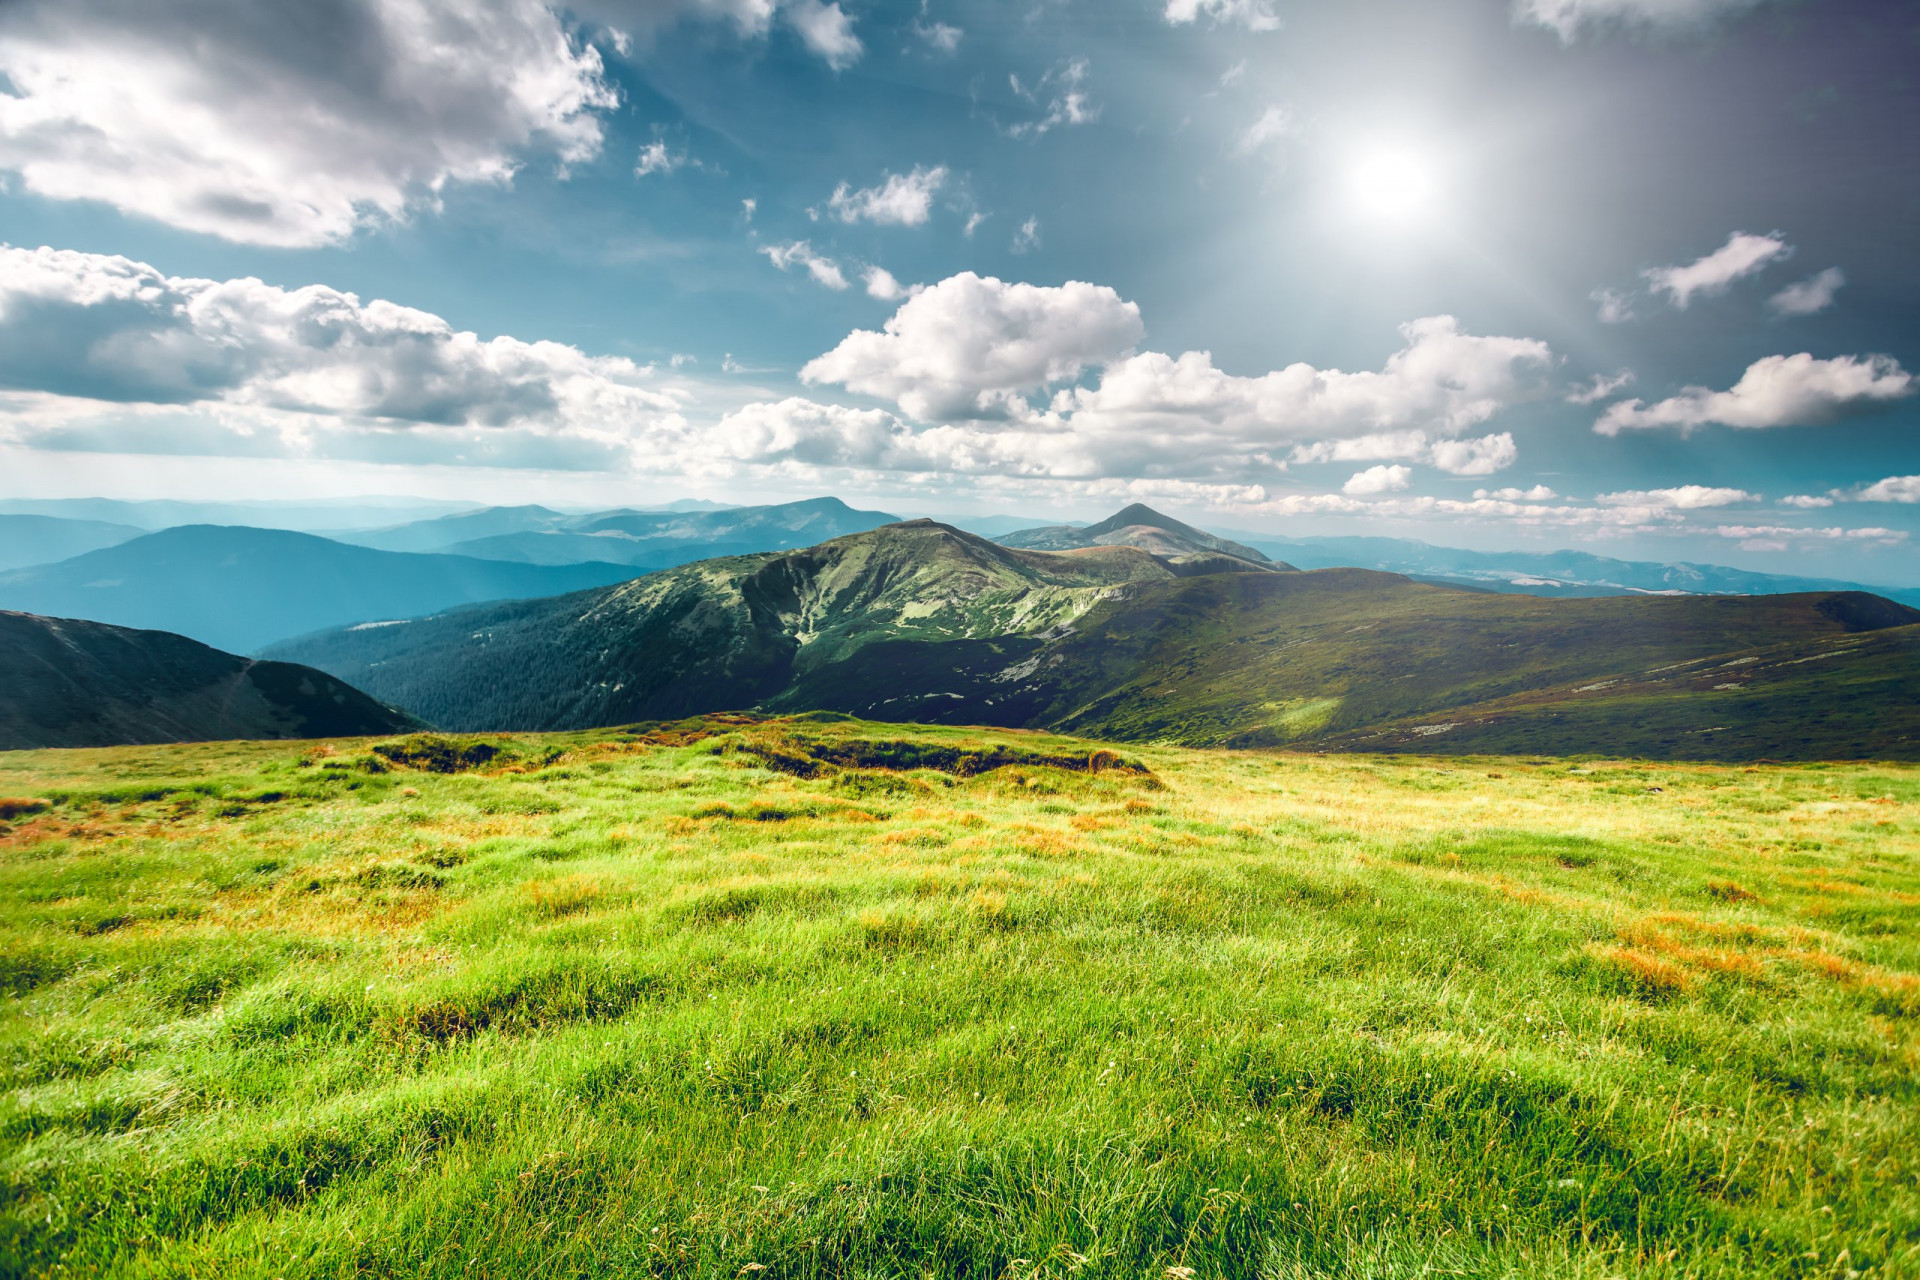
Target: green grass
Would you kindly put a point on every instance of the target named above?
(735, 998)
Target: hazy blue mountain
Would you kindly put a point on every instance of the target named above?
(70, 683)
(639, 539)
(443, 532)
(29, 540)
(316, 516)
(240, 588)
(1549, 573)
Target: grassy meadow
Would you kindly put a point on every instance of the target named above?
(813, 997)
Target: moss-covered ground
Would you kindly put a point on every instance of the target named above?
(817, 998)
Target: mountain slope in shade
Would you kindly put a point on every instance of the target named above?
(29, 540)
(921, 622)
(68, 683)
(1137, 526)
(638, 539)
(238, 588)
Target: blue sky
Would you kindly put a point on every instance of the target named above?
(1634, 275)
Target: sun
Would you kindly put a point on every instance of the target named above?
(1393, 183)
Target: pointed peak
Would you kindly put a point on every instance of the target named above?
(1133, 515)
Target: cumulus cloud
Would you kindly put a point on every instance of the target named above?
(94, 328)
(1026, 238)
(1569, 18)
(1254, 15)
(968, 341)
(800, 254)
(1778, 391)
(1473, 457)
(1686, 497)
(1892, 489)
(882, 284)
(1600, 387)
(1741, 256)
(1380, 479)
(972, 353)
(826, 31)
(284, 125)
(1538, 493)
(1810, 296)
(1064, 90)
(901, 199)
(1806, 501)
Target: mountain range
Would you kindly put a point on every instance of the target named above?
(920, 621)
(637, 539)
(68, 683)
(238, 588)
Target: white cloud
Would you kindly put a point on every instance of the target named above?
(1600, 387)
(826, 31)
(1538, 493)
(974, 220)
(1774, 537)
(901, 199)
(1234, 74)
(1741, 256)
(1616, 307)
(655, 157)
(967, 341)
(1806, 501)
(87, 333)
(1480, 457)
(748, 208)
(800, 253)
(1380, 479)
(1810, 296)
(1254, 15)
(939, 36)
(1274, 125)
(254, 123)
(1892, 489)
(1067, 102)
(1686, 497)
(882, 284)
(1027, 238)
(1778, 391)
(1570, 17)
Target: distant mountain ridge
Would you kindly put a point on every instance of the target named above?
(638, 539)
(32, 539)
(919, 621)
(238, 588)
(1551, 573)
(71, 683)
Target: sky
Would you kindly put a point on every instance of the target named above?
(1636, 276)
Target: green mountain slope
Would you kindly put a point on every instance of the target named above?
(239, 588)
(922, 622)
(67, 683)
(721, 633)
